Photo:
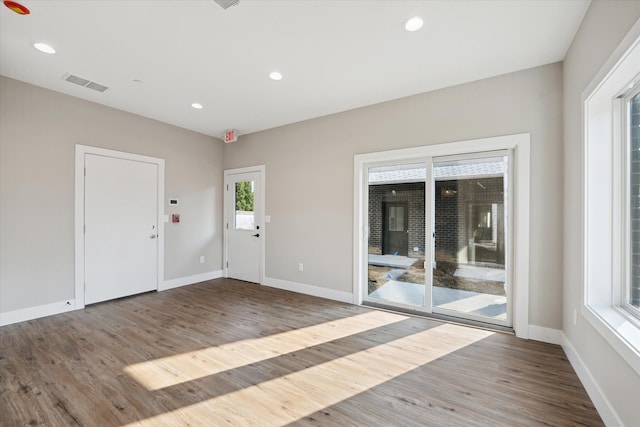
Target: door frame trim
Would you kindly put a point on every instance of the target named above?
(261, 169)
(520, 144)
(81, 152)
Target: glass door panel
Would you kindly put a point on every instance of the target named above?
(397, 235)
(470, 246)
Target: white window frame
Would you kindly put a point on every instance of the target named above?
(604, 256)
(626, 187)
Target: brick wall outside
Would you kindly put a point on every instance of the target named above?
(452, 222)
(452, 214)
(413, 194)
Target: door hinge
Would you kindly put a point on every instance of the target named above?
(85, 171)
(84, 229)
(227, 226)
(227, 187)
(227, 264)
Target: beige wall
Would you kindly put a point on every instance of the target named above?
(309, 173)
(603, 28)
(309, 192)
(38, 132)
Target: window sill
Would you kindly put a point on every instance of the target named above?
(619, 331)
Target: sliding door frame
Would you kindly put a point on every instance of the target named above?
(520, 171)
(428, 226)
(508, 197)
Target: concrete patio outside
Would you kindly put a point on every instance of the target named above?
(468, 302)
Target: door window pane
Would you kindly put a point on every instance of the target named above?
(396, 218)
(397, 234)
(469, 275)
(244, 212)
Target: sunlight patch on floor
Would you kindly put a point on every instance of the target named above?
(493, 306)
(168, 371)
(294, 396)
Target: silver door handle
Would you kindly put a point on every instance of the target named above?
(153, 236)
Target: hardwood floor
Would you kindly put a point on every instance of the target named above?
(226, 352)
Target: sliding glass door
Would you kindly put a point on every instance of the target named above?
(438, 236)
(397, 243)
(471, 219)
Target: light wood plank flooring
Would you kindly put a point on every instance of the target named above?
(226, 352)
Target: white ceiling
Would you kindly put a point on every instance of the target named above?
(335, 55)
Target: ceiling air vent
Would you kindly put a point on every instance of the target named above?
(84, 82)
(226, 4)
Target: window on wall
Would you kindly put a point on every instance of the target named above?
(631, 290)
(612, 204)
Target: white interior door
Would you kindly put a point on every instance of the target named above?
(121, 229)
(244, 224)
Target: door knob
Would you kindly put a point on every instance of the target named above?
(153, 236)
(256, 235)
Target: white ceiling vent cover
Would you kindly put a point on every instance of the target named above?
(84, 82)
(226, 4)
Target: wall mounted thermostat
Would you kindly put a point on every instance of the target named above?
(173, 202)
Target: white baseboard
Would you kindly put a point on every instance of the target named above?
(190, 280)
(31, 313)
(600, 401)
(548, 335)
(315, 291)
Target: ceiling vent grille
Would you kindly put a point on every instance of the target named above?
(226, 4)
(84, 82)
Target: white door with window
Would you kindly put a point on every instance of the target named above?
(244, 224)
(120, 227)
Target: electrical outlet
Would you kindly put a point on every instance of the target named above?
(300, 266)
(202, 260)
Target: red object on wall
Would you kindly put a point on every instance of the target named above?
(230, 136)
(17, 7)
(175, 218)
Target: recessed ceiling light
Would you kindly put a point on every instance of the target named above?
(44, 48)
(197, 106)
(413, 24)
(274, 75)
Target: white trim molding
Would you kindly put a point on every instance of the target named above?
(37, 312)
(31, 313)
(548, 335)
(316, 291)
(190, 280)
(599, 399)
(81, 152)
(603, 257)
